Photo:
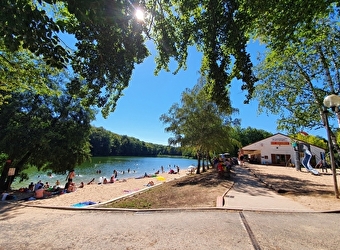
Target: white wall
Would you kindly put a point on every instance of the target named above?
(278, 144)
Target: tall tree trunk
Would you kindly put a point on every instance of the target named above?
(198, 170)
(4, 175)
(5, 180)
(203, 163)
(209, 160)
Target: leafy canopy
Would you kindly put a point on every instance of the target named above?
(295, 81)
(198, 123)
(110, 39)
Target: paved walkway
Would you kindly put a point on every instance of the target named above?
(248, 193)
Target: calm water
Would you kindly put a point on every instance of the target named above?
(138, 167)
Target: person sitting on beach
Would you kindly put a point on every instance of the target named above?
(70, 187)
(7, 196)
(105, 180)
(81, 185)
(40, 193)
(112, 179)
(57, 185)
(67, 186)
(38, 185)
(31, 187)
(47, 185)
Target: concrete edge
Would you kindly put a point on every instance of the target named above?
(183, 209)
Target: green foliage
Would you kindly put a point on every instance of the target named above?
(23, 71)
(110, 40)
(107, 143)
(198, 123)
(218, 29)
(313, 140)
(250, 135)
(295, 81)
(48, 132)
(277, 23)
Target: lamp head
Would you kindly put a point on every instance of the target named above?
(332, 101)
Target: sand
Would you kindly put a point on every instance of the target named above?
(314, 191)
(101, 193)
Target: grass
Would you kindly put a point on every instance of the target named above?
(199, 190)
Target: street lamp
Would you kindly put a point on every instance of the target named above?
(333, 102)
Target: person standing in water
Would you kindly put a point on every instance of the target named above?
(70, 175)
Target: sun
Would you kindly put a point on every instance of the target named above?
(139, 14)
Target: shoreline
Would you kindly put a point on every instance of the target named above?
(100, 193)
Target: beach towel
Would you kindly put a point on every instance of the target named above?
(84, 204)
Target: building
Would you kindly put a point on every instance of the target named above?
(279, 149)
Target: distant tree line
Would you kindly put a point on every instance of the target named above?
(107, 143)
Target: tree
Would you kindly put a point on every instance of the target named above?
(23, 71)
(277, 23)
(295, 81)
(100, 140)
(49, 132)
(251, 135)
(198, 123)
(314, 140)
(110, 40)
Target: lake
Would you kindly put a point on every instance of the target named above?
(127, 167)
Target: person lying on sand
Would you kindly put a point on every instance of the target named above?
(90, 182)
(151, 183)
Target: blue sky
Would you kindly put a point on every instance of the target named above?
(149, 96)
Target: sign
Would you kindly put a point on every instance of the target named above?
(280, 143)
(11, 171)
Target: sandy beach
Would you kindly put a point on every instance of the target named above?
(101, 193)
(314, 191)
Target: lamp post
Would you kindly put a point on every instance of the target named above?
(333, 102)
